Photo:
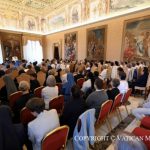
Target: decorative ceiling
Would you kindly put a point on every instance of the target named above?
(33, 6)
(47, 16)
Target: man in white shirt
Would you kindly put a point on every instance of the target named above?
(45, 122)
(123, 87)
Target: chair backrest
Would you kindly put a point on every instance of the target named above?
(2, 83)
(105, 84)
(41, 77)
(37, 91)
(80, 82)
(23, 77)
(127, 95)
(57, 103)
(26, 116)
(105, 109)
(14, 97)
(117, 102)
(14, 74)
(59, 86)
(56, 139)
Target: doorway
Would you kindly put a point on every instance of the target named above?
(56, 52)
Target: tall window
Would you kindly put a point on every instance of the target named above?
(1, 55)
(33, 51)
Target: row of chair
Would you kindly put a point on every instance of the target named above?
(107, 108)
(110, 107)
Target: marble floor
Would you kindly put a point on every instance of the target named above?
(128, 121)
(135, 102)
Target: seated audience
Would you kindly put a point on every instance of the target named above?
(66, 87)
(88, 83)
(142, 80)
(113, 91)
(127, 141)
(10, 85)
(57, 77)
(3, 91)
(45, 122)
(36, 68)
(30, 70)
(123, 86)
(21, 72)
(50, 91)
(12, 136)
(103, 74)
(79, 75)
(73, 109)
(21, 102)
(34, 83)
(96, 98)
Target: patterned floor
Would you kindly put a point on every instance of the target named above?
(103, 145)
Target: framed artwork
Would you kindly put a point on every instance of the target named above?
(70, 46)
(96, 43)
(136, 39)
(11, 46)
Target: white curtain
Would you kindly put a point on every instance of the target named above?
(33, 51)
(1, 55)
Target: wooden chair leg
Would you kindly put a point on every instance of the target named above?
(126, 109)
(119, 114)
(109, 123)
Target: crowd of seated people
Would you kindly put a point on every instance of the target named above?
(102, 81)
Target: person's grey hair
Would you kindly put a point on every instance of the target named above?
(51, 81)
(128, 141)
(115, 82)
(24, 86)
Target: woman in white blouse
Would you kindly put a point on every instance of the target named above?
(50, 91)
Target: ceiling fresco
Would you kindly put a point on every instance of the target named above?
(44, 16)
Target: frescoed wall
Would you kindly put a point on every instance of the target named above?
(43, 16)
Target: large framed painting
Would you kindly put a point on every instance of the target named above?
(96, 43)
(70, 46)
(11, 46)
(136, 39)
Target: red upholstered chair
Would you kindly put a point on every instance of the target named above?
(143, 134)
(145, 122)
(14, 97)
(37, 91)
(26, 116)
(115, 106)
(57, 103)
(80, 82)
(59, 86)
(126, 98)
(56, 139)
(103, 114)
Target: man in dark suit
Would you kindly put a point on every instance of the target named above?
(114, 91)
(73, 109)
(96, 98)
(78, 76)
